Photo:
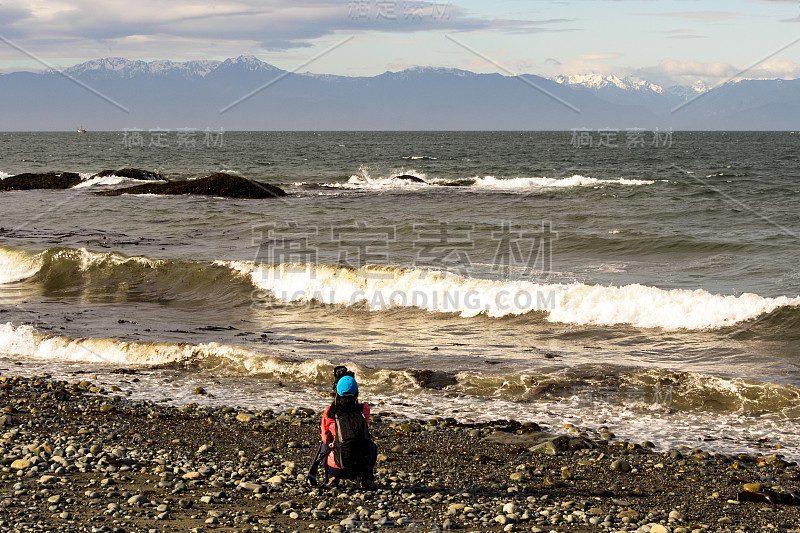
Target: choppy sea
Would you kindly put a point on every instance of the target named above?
(649, 283)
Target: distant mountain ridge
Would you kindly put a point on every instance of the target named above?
(129, 68)
(164, 93)
(599, 81)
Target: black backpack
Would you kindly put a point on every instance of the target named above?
(352, 447)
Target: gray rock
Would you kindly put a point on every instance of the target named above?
(255, 487)
(546, 448)
(185, 503)
(621, 465)
(137, 500)
(502, 519)
(677, 516)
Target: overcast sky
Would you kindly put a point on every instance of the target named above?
(665, 42)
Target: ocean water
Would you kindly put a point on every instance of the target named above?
(652, 288)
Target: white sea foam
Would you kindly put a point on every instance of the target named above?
(364, 181)
(4, 175)
(89, 181)
(26, 342)
(16, 265)
(86, 259)
(608, 267)
(513, 184)
(573, 303)
(690, 390)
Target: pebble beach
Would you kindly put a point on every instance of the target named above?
(79, 458)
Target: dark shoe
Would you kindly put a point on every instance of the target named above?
(368, 484)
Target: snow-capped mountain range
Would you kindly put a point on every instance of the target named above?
(128, 68)
(162, 93)
(599, 81)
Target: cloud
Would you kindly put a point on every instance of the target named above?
(776, 68)
(673, 67)
(705, 16)
(582, 66)
(10, 16)
(269, 24)
(683, 34)
(596, 56)
(671, 71)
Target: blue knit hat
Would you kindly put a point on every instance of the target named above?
(347, 386)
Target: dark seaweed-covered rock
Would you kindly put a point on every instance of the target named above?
(219, 184)
(132, 173)
(409, 177)
(458, 183)
(46, 180)
(432, 379)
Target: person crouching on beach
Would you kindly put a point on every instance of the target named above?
(346, 439)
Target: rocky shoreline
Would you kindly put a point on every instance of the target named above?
(45, 180)
(218, 184)
(76, 457)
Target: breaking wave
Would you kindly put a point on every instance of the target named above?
(377, 288)
(414, 180)
(70, 270)
(110, 180)
(649, 389)
(573, 303)
(512, 184)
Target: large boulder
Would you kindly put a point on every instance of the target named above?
(410, 178)
(219, 184)
(46, 180)
(463, 182)
(132, 173)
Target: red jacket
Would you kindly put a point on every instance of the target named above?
(329, 426)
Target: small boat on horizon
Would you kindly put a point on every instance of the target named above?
(81, 130)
